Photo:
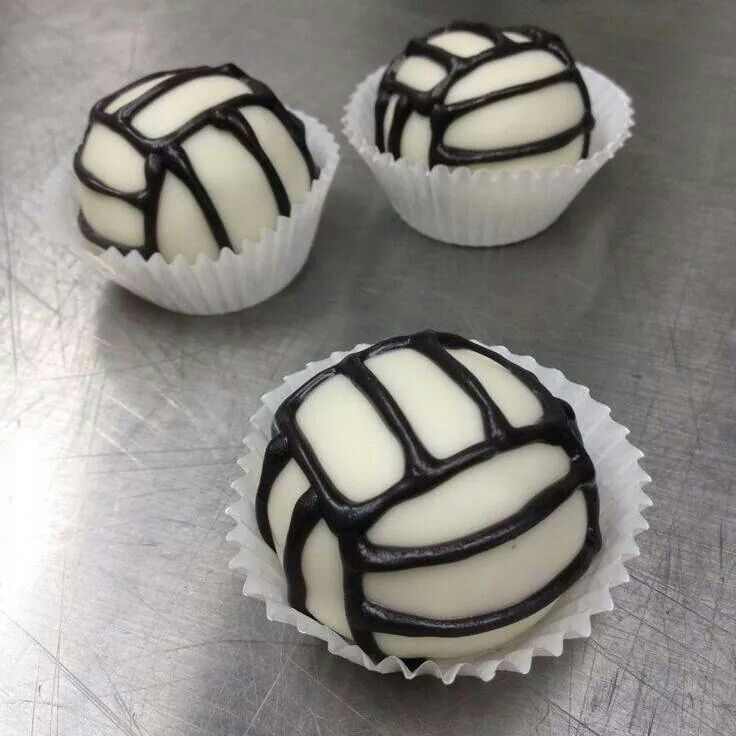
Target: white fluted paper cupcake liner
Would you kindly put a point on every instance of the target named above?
(232, 282)
(486, 208)
(620, 482)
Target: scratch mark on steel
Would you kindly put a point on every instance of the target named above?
(265, 698)
(131, 411)
(55, 685)
(316, 721)
(637, 701)
(76, 682)
(115, 443)
(587, 687)
(678, 603)
(624, 666)
(332, 692)
(614, 685)
(36, 688)
(11, 295)
(30, 291)
(651, 720)
(564, 712)
(691, 652)
(124, 707)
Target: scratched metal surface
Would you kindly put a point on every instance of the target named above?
(121, 422)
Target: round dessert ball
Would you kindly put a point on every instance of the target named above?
(473, 95)
(189, 161)
(427, 498)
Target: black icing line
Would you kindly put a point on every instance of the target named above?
(275, 460)
(386, 621)
(180, 165)
(422, 471)
(304, 518)
(166, 152)
(354, 597)
(457, 156)
(370, 557)
(415, 455)
(431, 103)
(100, 240)
(233, 122)
(557, 426)
(374, 558)
(376, 618)
(495, 424)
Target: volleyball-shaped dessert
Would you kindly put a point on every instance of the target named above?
(189, 161)
(427, 498)
(473, 95)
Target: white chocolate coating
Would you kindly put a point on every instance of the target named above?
(487, 581)
(420, 73)
(281, 150)
(229, 171)
(116, 219)
(447, 423)
(367, 460)
(504, 72)
(170, 111)
(104, 147)
(134, 93)
(361, 469)
(321, 564)
(322, 570)
(436, 647)
(461, 43)
(232, 177)
(287, 489)
(517, 403)
(484, 494)
(518, 120)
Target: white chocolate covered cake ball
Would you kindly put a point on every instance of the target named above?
(427, 498)
(189, 161)
(473, 95)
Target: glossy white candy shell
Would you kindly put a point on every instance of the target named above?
(486, 208)
(514, 121)
(366, 460)
(620, 481)
(228, 284)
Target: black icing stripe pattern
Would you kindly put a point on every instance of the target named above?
(431, 103)
(167, 154)
(350, 521)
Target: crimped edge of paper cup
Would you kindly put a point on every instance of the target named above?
(193, 288)
(569, 618)
(369, 151)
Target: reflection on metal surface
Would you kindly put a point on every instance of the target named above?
(26, 516)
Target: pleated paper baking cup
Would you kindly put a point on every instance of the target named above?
(486, 208)
(232, 282)
(620, 481)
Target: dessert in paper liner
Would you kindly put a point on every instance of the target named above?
(232, 282)
(620, 480)
(483, 207)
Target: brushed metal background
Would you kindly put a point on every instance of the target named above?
(120, 422)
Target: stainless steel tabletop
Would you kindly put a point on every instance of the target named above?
(120, 422)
